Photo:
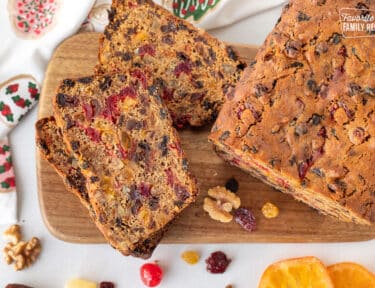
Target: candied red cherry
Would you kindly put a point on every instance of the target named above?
(151, 274)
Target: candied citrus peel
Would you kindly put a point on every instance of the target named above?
(350, 275)
(306, 272)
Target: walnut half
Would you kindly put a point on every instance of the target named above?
(221, 204)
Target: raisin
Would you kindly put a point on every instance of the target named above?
(354, 89)
(85, 80)
(198, 84)
(245, 219)
(146, 49)
(136, 206)
(74, 145)
(217, 263)
(145, 190)
(167, 39)
(321, 48)
(163, 113)
(185, 164)
(133, 124)
(111, 14)
(64, 100)
(296, 65)
(125, 56)
(181, 192)
(105, 83)
(167, 94)
(170, 27)
(163, 146)
(197, 96)
(317, 172)
(212, 54)
(224, 136)
(182, 56)
(153, 203)
(107, 34)
(183, 67)
(131, 31)
(138, 74)
(292, 48)
(231, 53)
(232, 185)
(316, 119)
(370, 91)
(303, 17)
(69, 82)
(260, 90)
(313, 86)
(94, 179)
(335, 38)
(115, 25)
(322, 132)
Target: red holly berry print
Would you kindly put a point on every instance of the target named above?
(12, 88)
(3, 149)
(5, 111)
(195, 8)
(9, 182)
(20, 102)
(31, 18)
(7, 165)
(33, 90)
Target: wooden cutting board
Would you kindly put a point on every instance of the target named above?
(69, 221)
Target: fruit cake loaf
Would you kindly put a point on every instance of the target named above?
(121, 133)
(194, 69)
(51, 145)
(302, 116)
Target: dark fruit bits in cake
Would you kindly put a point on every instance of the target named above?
(303, 167)
(370, 91)
(146, 49)
(300, 129)
(185, 164)
(163, 113)
(231, 54)
(170, 27)
(292, 48)
(313, 86)
(94, 179)
(153, 203)
(302, 17)
(106, 285)
(354, 89)
(106, 83)
(317, 172)
(342, 51)
(245, 219)
(167, 39)
(145, 190)
(163, 146)
(138, 74)
(64, 100)
(232, 185)
(296, 65)
(74, 145)
(85, 80)
(69, 82)
(335, 38)
(217, 263)
(93, 134)
(224, 136)
(316, 119)
(321, 48)
(357, 135)
(260, 90)
(183, 67)
(181, 192)
(89, 112)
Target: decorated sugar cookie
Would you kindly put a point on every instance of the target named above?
(97, 18)
(17, 96)
(192, 8)
(32, 19)
(7, 179)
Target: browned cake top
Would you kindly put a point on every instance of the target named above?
(306, 105)
(121, 133)
(195, 69)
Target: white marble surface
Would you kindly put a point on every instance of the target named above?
(61, 261)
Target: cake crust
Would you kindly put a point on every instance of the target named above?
(302, 116)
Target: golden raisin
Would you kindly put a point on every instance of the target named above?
(190, 257)
(270, 210)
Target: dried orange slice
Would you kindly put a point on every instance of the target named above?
(349, 275)
(306, 272)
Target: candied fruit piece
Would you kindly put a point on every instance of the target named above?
(80, 283)
(190, 257)
(245, 218)
(151, 274)
(270, 210)
(217, 263)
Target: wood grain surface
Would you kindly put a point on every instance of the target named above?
(68, 220)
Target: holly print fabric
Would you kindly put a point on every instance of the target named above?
(192, 8)
(17, 96)
(7, 178)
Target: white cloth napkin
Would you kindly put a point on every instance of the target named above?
(30, 31)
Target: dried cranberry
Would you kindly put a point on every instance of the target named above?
(232, 185)
(145, 190)
(181, 121)
(245, 218)
(141, 77)
(181, 192)
(348, 112)
(183, 67)
(342, 51)
(176, 146)
(217, 263)
(123, 152)
(151, 274)
(106, 285)
(170, 177)
(303, 167)
(338, 73)
(167, 94)
(323, 132)
(146, 49)
(302, 17)
(93, 134)
(89, 111)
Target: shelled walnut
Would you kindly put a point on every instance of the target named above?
(21, 253)
(221, 203)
